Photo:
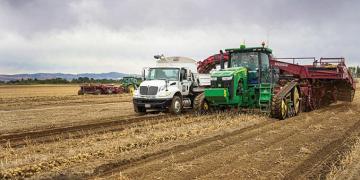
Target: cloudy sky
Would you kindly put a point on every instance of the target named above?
(96, 36)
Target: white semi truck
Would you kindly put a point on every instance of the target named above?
(173, 85)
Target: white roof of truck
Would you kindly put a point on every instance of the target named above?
(177, 59)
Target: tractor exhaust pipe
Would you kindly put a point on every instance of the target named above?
(221, 59)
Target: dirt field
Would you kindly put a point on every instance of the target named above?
(49, 132)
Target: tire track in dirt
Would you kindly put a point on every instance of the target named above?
(281, 157)
(318, 165)
(204, 153)
(62, 107)
(106, 125)
(157, 164)
(24, 103)
(227, 139)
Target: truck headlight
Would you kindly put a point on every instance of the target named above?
(213, 78)
(163, 94)
(135, 93)
(226, 78)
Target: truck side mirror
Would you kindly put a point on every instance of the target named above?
(143, 73)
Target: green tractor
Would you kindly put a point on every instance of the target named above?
(248, 82)
(129, 84)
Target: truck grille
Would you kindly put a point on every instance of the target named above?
(152, 90)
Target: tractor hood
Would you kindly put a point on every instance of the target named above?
(229, 72)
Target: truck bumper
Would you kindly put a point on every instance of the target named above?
(152, 103)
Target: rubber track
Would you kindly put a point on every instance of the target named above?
(18, 139)
(276, 100)
(197, 103)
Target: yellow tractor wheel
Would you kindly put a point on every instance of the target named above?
(284, 109)
(296, 101)
(130, 89)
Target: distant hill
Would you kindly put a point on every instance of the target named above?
(69, 77)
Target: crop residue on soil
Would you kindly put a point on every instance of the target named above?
(218, 146)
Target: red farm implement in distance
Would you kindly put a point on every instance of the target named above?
(324, 82)
(100, 89)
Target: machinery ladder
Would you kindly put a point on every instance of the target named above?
(265, 90)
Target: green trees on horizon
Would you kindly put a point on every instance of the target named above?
(355, 71)
(79, 80)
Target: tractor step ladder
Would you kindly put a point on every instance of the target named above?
(265, 97)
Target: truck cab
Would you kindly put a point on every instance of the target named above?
(166, 87)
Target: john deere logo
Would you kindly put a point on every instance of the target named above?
(176, 59)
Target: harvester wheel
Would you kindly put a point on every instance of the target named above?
(176, 105)
(98, 92)
(279, 104)
(284, 109)
(80, 92)
(130, 89)
(201, 105)
(139, 109)
(296, 101)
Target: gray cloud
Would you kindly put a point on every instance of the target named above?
(103, 36)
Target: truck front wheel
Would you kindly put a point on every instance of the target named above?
(176, 105)
(139, 109)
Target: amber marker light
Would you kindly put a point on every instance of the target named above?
(242, 46)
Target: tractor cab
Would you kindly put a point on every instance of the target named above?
(128, 79)
(129, 84)
(254, 59)
(239, 83)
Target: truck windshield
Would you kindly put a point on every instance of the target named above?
(163, 74)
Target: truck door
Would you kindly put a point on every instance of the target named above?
(184, 84)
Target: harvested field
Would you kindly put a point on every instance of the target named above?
(49, 132)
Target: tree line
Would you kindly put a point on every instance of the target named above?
(355, 71)
(79, 80)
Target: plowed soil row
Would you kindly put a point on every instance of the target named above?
(47, 96)
(34, 108)
(302, 147)
(160, 146)
(103, 125)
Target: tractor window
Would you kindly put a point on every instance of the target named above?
(245, 59)
(265, 71)
(163, 74)
(128, 79)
